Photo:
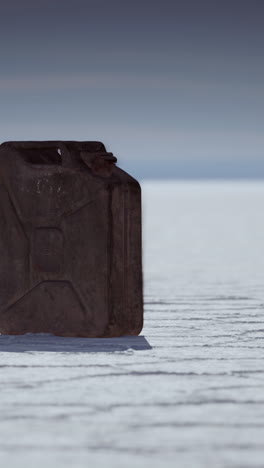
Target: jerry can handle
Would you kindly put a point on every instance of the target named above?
(93, 148)
(59, 146)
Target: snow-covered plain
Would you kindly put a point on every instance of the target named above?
(189, 392)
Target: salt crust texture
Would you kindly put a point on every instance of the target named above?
(189, 391)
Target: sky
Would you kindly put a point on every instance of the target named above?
(175, 89)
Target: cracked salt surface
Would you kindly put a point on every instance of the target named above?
(189, 391)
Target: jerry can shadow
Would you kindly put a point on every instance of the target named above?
(70, 241)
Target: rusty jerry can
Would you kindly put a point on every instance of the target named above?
(70, 241)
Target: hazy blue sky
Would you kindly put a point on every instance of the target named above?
(173, 88)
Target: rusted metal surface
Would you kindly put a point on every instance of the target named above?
(70, 241)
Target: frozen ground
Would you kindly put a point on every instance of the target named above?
(189, 392)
